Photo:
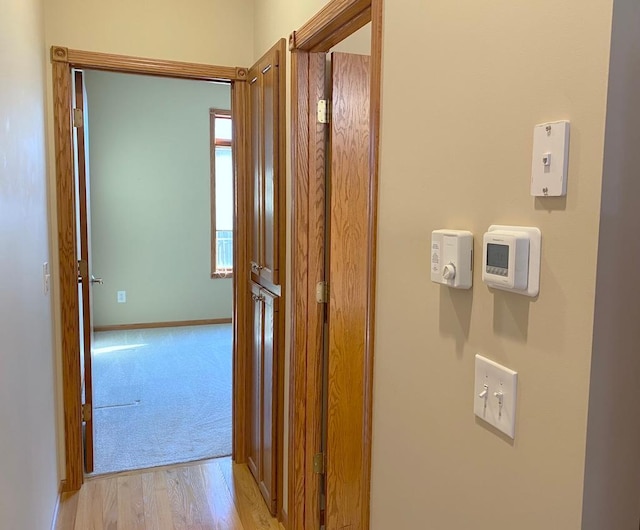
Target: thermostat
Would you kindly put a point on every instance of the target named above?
(452, 258)
(511, 259)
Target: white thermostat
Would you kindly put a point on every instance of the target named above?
(452, 258)
(511, 259)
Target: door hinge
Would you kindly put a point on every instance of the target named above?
(78, 118)
(322, 292)
(86, 412)
(323, 111)
(83, 269)
(318, 463)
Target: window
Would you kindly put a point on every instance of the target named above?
(221, 194)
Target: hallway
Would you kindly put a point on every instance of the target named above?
(212, 494)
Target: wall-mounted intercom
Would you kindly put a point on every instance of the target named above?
(452, 258)
(511, 259)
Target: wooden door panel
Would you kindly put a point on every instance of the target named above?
(270, 172)
(349, 140)
(84, 258)
(255, 385)
(269, 399)
(257, 188)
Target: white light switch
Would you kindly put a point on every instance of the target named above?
(122, 297)
(550, 159)
(495, 395)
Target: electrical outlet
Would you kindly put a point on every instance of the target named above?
(122, 297)
(46, 278)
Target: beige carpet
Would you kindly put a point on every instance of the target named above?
(161, 396)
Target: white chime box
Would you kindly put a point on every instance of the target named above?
(452, 258)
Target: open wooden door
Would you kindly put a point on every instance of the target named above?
(83, 244)
(266, 362)
(348, 290)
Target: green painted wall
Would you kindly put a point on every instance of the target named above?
(150, 198)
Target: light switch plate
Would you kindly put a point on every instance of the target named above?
(500, 384)
(550, 159)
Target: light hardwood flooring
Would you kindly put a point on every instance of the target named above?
(213, 494)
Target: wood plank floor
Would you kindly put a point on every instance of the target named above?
(214, 494)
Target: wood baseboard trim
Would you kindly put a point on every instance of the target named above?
(173, 324)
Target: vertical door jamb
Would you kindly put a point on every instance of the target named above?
(337, 20)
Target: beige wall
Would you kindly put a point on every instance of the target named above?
(150, 198)
(28, 474)
(205, 31)
(456, 153)
(612, 488)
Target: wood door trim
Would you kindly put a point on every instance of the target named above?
(68, 275)
(63, 61)
(142, 65)
(242, 321)
(337, 20)
(299, 285)
(328, 21)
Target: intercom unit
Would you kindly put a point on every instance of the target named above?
(511, 259)
(452, 258)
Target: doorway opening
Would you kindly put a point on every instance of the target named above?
(158, 225)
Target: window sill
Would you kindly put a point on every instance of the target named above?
(221, 274)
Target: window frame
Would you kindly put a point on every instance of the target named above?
(214, 143)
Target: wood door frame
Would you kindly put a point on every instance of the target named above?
(63, 61)
(309, 44)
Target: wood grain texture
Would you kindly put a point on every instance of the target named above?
(360, 20)
(328, 21)
(241, 307)
(348, 273)
(83, 194)
(214, 494)
(168, 324)
(68, 275)
(143, 65)
(374, 159)
(318, 137)
(299, 286)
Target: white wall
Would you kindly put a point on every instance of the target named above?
(149, 151)
(28, 474)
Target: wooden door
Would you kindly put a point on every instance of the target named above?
(348, 284)
(254, 418)
(85, 278)
(264, 79)
(268, 474)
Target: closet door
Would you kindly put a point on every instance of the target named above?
(264, 79)
(268, 475)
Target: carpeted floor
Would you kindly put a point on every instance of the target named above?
(161, 396)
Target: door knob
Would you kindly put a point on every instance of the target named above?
(96, 280)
